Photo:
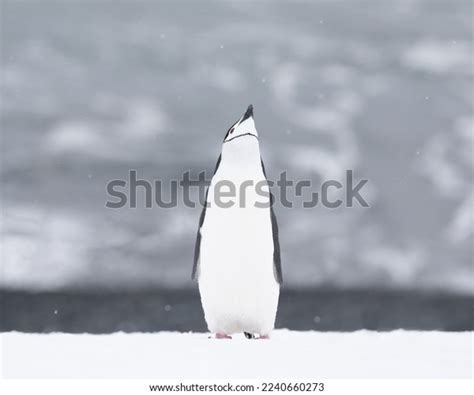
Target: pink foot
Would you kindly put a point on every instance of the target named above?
(222, 336)
(264, 337)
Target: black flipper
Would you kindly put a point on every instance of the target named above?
(276, 247)
(197, 246)
(276, 241)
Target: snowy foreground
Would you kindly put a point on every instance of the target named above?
(362, 354)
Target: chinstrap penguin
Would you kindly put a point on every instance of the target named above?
(237, 253)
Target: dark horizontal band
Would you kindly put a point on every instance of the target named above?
(241, 135)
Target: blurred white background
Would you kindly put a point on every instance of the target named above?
(92, 90)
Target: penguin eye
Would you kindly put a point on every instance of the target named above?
(231, 131)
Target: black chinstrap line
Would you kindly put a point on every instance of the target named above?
(241, 135)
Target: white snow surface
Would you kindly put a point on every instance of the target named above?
(288, 354)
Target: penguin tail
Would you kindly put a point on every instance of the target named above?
(249, 335)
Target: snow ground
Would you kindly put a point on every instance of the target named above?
(289, 354)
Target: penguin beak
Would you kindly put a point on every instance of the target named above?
(248, 114)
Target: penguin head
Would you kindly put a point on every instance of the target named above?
(245, 126)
